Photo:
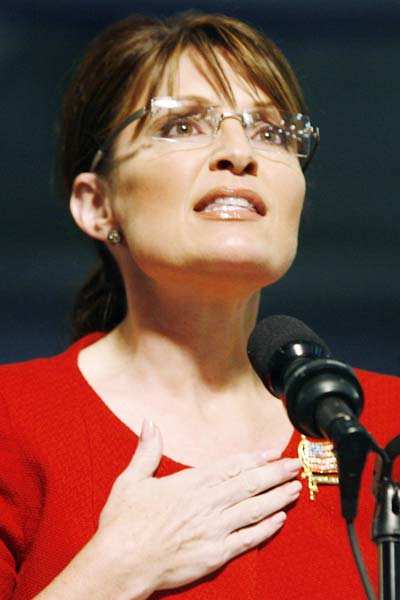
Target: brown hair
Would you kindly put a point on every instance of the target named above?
(131, 56)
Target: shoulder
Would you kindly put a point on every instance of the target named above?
(26, 373)
(371, 378)
(375, 385)
(33, 392)
(31, 375)
(381, 404)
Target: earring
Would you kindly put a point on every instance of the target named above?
(114, 236)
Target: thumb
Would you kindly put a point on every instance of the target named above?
(149, 451)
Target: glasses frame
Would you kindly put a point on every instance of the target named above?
(313, 132)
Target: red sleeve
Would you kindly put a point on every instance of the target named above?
(19, 504)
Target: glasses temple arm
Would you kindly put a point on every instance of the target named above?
(98, 157)
(317, 140)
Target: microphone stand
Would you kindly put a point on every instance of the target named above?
(352, 444)
(329, 390)
(386, 526)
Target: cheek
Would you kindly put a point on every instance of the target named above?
(148, 199)
(150, 208)
(291, 194)
(287, 220)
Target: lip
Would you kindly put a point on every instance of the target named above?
(221, 192)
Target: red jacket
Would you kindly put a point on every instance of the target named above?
(61, 449)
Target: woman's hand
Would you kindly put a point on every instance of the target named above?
(181, 527)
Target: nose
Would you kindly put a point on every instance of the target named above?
(233, 151)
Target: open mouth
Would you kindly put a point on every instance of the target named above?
(229, 201)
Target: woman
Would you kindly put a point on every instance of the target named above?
(183, 150)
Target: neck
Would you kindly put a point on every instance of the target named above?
(190, 344)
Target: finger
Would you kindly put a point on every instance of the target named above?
(232, 466)
(242, 540)
(260, 507)
(148, 453)
(226, 469)
(255, 481)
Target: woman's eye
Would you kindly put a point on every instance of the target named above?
(269, 134)
(180, 127)
(275, 136)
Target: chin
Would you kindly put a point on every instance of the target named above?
(252, 272)
(256, 258)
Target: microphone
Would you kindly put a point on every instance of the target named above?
(322, 396)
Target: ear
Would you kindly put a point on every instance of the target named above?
(90, 206)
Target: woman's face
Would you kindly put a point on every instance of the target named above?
(155, 195)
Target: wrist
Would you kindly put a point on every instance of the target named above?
(130, 574)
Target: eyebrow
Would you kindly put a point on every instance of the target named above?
(208, 102)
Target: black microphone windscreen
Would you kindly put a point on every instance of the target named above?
(276, 332)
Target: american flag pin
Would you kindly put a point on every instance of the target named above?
(319, 464)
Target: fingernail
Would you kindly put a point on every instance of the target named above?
(279, 517)
(292, 465)
(269, 454)
(147, 430)
(294, 487)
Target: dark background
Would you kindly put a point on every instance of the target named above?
(345, 282)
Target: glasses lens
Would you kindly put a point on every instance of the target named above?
(281, 136)
(300, 129)
(188, 123)
(183, 122)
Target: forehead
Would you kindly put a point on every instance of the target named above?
(193, 77)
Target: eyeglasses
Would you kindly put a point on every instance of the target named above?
(180, 124)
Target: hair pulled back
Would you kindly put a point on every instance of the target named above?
(127, 58)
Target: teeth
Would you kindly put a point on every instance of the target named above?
(233, 201)
(227, 202)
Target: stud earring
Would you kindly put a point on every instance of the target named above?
(114, 237)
